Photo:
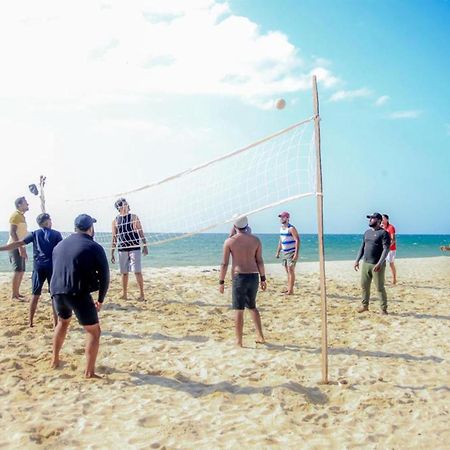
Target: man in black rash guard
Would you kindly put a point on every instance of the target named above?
(80, 267)
(374, 248)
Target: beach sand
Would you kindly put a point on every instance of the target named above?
(174, 379)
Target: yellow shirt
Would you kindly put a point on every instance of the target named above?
(17, 218)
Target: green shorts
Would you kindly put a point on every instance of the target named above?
(288, 259)
(17, 262)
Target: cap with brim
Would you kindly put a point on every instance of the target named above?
(375, 216)
(241, 222)
(42, 218)
(284, 214)
(84, 221)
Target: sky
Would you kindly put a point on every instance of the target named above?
(105, 96)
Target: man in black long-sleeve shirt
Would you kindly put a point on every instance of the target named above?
(374, 248)
(80, 267)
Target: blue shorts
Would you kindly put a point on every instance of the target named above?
(39, 277)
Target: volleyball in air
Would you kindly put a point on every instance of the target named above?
(280, 103)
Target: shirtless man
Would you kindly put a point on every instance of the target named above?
(247, 271)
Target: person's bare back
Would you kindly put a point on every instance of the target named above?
(245, 252)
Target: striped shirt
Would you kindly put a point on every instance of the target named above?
(287, 239)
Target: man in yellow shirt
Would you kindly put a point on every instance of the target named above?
(17, 231)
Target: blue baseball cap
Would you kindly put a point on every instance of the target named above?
(84, 221)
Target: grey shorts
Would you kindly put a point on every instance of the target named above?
(287, 259)
(130, 261)
(17, 262)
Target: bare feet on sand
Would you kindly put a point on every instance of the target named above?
(260, 341)
(54, 364)
(123, 297)
(92, 375)
(19, 298)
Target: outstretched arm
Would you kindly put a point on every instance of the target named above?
(12, 246)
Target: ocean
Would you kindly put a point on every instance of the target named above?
(206, 249)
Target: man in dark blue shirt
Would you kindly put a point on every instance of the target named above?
(44, 241)
(374, 248)
(80, 267)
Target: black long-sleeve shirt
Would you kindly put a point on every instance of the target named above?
(375, 246)
(79, 266)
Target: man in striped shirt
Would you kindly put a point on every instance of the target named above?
(289, 245)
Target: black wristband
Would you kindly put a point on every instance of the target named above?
(263, 278)
(221, 281)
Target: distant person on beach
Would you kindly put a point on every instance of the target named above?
(445, 248)
(393, 248)
(18, 256)
(128, 236)
(289, 245)
(44, 241)
(374, 249)
(80, 266)
(248, 272)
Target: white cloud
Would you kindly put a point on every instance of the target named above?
(94, 50)
(382, 100)
(408, 114)
(350, 95)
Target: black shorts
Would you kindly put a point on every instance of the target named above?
(245, 288)
(39, 277)
(17, 262)
(81, 304)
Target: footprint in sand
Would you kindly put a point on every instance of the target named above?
(11, 333)
(148, 422)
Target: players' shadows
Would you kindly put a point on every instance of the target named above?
(353, 351)
(196, 389)
(423, 388)
(156, 337)
(110, 306)
(421, 316)
(196, 303)
(350, 298)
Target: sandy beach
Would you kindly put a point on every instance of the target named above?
(174, 379)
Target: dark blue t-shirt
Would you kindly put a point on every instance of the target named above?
(44, 241)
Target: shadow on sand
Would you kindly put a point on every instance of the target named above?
(196, 389)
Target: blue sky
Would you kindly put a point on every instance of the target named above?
(127, 101)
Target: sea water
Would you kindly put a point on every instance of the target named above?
(206, 249)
